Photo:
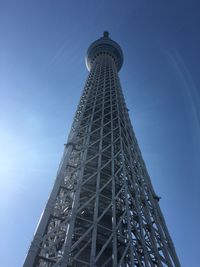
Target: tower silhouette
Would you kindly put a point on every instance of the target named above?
(103, 210)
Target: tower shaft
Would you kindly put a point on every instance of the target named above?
(103, 210)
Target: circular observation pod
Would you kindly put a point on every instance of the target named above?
(104, 45)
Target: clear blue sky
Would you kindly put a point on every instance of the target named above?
(42, 73)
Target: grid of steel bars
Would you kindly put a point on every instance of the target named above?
(103, 210)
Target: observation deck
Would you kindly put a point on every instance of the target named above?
(101, 46)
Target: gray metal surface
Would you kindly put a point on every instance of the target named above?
(103, 210)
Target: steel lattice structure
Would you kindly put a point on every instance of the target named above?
(103, 210)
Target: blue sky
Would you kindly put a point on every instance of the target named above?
(42, 73)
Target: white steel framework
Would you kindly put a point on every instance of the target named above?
(103, 210)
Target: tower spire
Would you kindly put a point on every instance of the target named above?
(106, 34)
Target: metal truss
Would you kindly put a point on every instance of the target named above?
(103, 210)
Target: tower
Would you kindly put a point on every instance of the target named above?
(103, 210)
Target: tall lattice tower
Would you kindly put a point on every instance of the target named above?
(103, 210)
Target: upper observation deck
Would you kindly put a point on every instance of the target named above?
(101, 46)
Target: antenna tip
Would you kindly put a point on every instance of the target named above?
(106, 34)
